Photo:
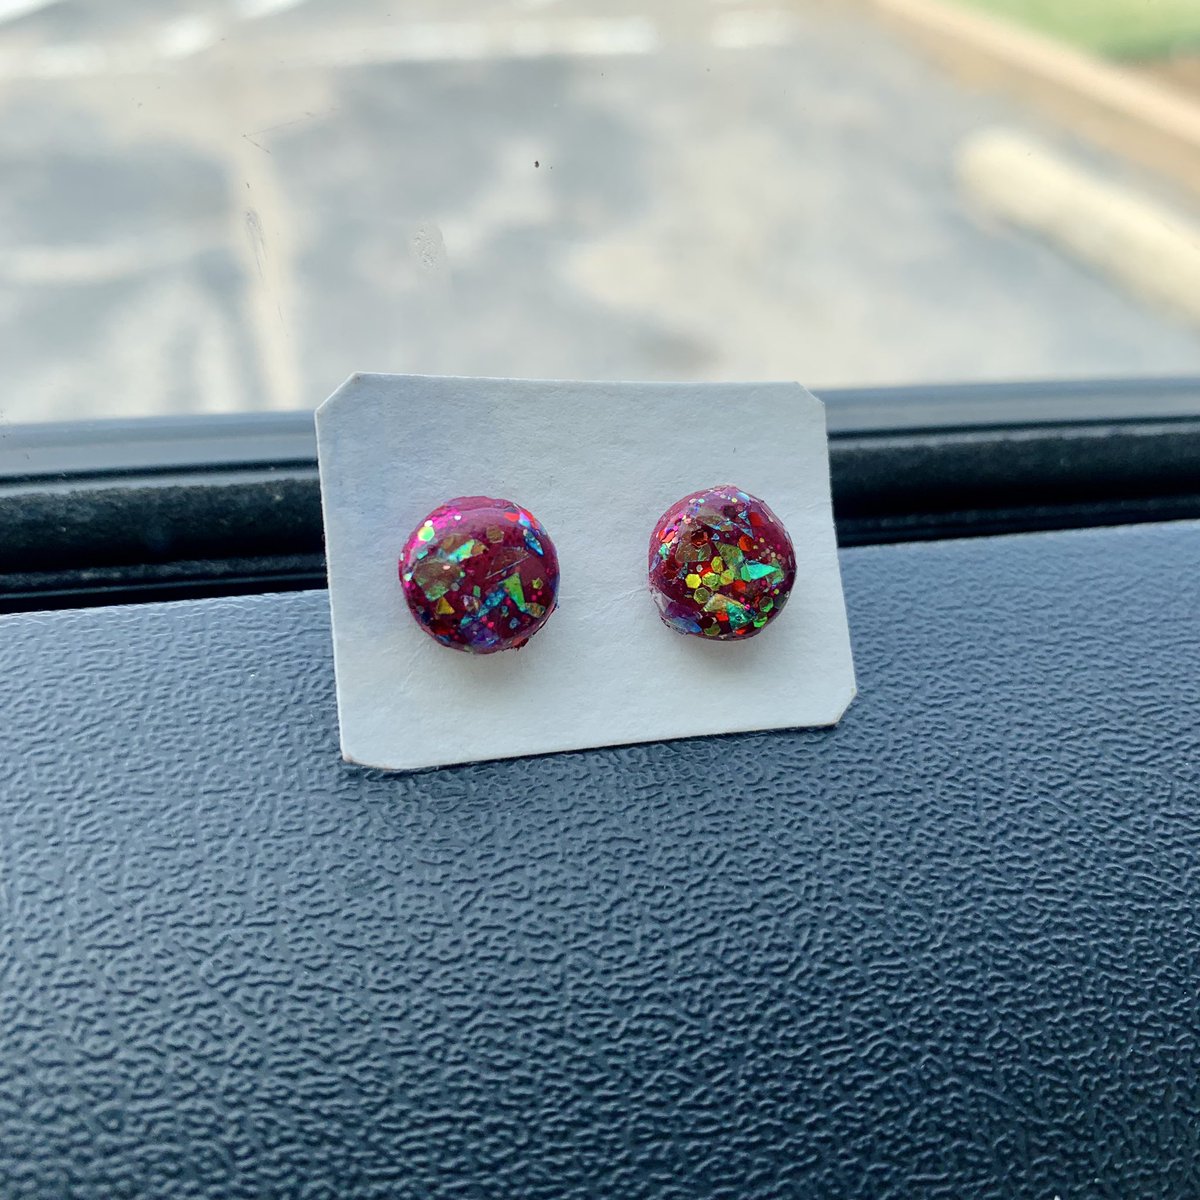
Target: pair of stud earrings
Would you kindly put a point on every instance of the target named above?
(481, 575)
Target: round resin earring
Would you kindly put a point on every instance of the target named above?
(721, 564)
(480, 575)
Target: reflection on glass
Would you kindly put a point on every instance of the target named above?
(223, 206)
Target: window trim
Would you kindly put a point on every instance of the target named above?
(103, 512)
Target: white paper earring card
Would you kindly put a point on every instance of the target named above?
(597, 464)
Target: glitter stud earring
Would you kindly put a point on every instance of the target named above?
(480, 575)
(721, 564)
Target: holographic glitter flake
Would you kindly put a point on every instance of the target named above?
(721, 564)
(480, 575)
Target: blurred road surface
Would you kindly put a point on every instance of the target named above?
(215, 206)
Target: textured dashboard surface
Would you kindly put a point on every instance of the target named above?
(949, 949)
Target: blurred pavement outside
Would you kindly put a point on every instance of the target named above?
(220, 206)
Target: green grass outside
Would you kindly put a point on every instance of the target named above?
(1116, 28)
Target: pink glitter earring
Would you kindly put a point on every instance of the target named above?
(480, 575)
(721, 564)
